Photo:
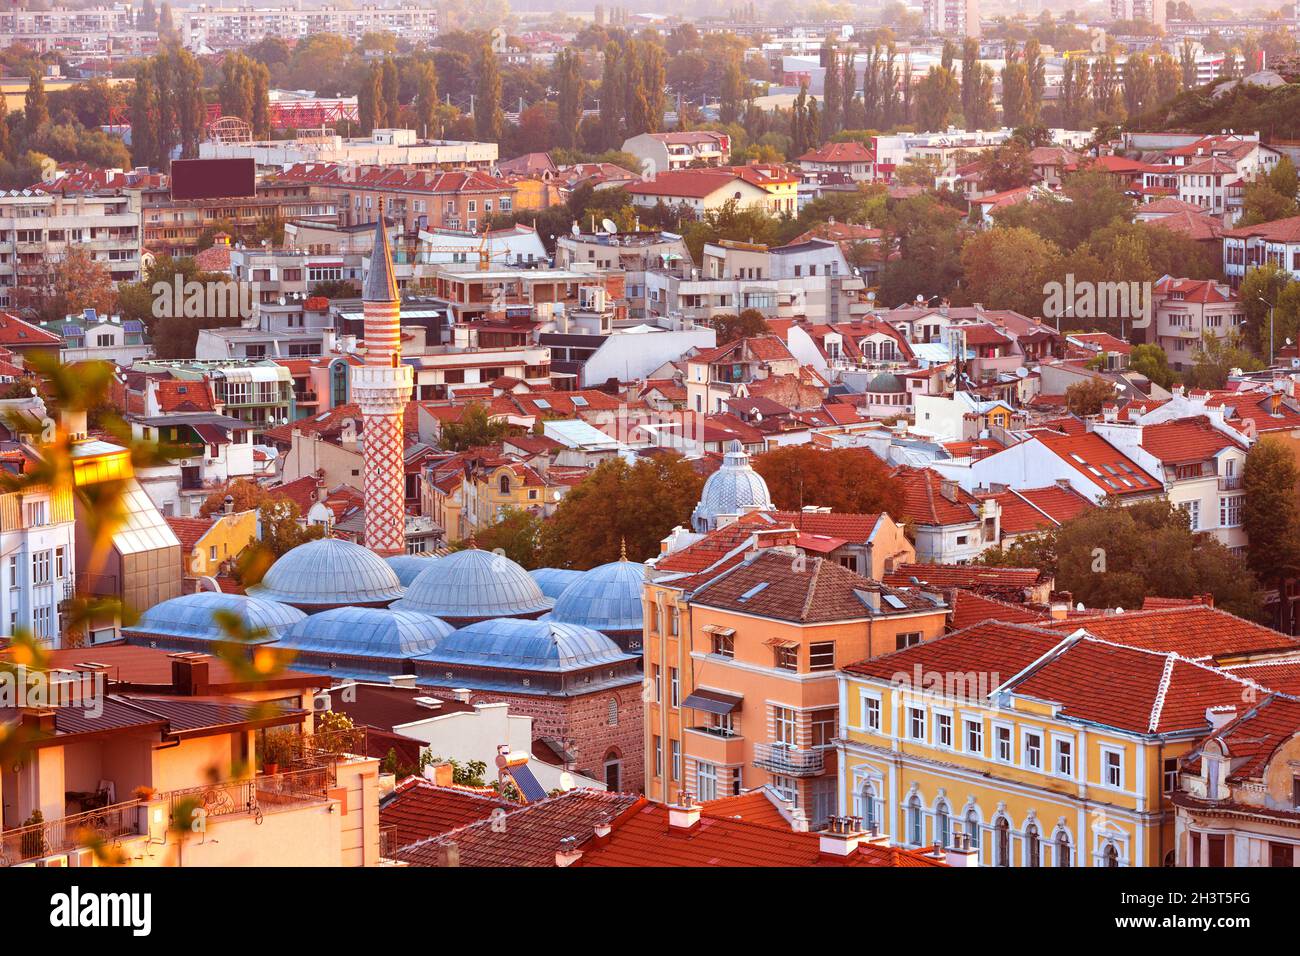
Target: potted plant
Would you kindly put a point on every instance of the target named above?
(144, 794)
(277, 749)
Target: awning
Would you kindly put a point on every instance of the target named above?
(718, 629)
(778, 642)
(712, 701)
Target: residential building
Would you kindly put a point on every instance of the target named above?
(663, 152)
(257, 392)
(1186, 310)
(383, 147)
(716, 376)
(951, 17)
(38, 557)
(951, 525)
(211, 545)
(850, 159)
(1275, 243)
(698, 191)
(175, 227)
(105, 338)
(233, 28)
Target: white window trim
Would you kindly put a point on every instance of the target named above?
(1043, 747)
(994, 726)
(1105, 750)
(1074, 756)
(936, 713)
(863, 697)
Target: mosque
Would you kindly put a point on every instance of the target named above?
(563, 647)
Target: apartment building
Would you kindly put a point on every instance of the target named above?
(38, 229)
(37, 561)
(256, 392)
(108, 31)
(224, 28)
(744, 633)
(679, 149)
(1276, 243)
(951, 17)
(1186, 310)
(174, 227)
(635, 253)
(383, 147)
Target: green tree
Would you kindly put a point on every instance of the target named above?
(1008, 166)
(516, 534)
(426, 99)
(1088, 397)
(476, 427)
(1271, 511)
(36, 111)
(1150, 360)
(570, 86)
(282, 531)
(730, 326)
(488, 118)
(1216, 358)
(1006, 268)
(613, 95)
(144, 120)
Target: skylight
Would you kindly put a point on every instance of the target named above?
(752, 591)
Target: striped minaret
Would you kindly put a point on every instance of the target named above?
(382, 388)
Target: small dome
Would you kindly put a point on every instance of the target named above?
(607, 598)
(553, 581)
(735, 488)
(409, 566)
(329, 572)
(884, 383)
(367, 632)
(474, 583)
(194, 616)
(515, 644)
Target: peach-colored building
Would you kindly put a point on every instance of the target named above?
(744, 634)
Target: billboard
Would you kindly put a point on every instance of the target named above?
(213, 178)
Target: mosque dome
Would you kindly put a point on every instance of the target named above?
(409, 566)
(607, 598)
(521, 644)
(884, 383)
(553, 581)
(367, 632)
(193, 616)
(735, 488)
(329, 572)
(474, 584)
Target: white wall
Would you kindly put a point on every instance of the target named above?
(631, 356)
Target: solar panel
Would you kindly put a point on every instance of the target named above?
(133, 325)
(528, 786)
(579, 401)
(542, 403)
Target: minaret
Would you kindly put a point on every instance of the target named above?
(382, 388)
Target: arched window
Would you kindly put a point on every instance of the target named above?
(1004, 842)
(973, 828)
(503, 484)
(1033, 848)
(942, 825)
(1110, 855)
(915, 825)
(1063, 849)
(867, 806)
(339, 384)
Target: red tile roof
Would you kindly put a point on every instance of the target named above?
(685, 183)
(924, 500)
(190, 531)
(419, 809)
(852, 527)
(15, 333)
(177, 395)
(1101, 462)
(850, 152)
(970, 608)
(1196, 632)
(973, 577)
(761, 806)
(1253, 738)
(1185, 440)
(1036, 509)
(1279, 230)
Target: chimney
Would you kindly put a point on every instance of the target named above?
(38, 721)
(1110, 412)
(568, 853)
(1221, 715)
(962, 853)
(948, 488)
(190, 675)
(874, 837)
(461, 694)
(328, 341)
(442, 774)
(449, 855)
(228, 505)
(1060, 610)
(841, 836)
(401, 680)
(601, 831)
(684, 815)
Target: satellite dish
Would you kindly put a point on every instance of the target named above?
(575, 228)
(1022, 372)
(609, 226)
(919, 298)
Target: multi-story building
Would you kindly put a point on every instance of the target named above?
(952, 17)
(661, 152)
(37, 560)
(1152, 11)
(107, 338)
(744, 633)
(635, 253)
(257, 392)
(1186, 310)
(101, 31)
(174, 227)
(38, 229)
(1275, 243)
(235, 27)
(383, 147)
(716, 376)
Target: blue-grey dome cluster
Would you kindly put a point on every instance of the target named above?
(195, 617)
(329, 572)
(553, 581)
(523, 644)
(734, 489)
(607, 598)
(474, 584)
(367, 632)
(407, 567)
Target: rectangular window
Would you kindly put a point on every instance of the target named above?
(943, 730)
(907, 640)
(41, 622)
(706, 781)
(1169, 774)
(1113, 762)
(60, 563)
(871, 713)
(974, 737)
(1064, 760)
(677, 759)
(824, 722)
(676, 686)
(724, 645)
(1034, 751)
(786, 658)
(41, 567)
(659, 684)
(37, 514)
(916, 723)
(821, 656)
(659, 756)
(1003, 736)
(13, 574)
(783, 726)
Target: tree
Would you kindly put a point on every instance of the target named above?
(426, 99)
(80, 283)
(730, 326)
(619, 504)
(1015, 91)
(516, 533)
(613, 94)
(1035, 82)
(1117, 555)
(6, 146)
(1008, 166)
(733, 93)
(1150, 360)
(245, 495)
(36, 111)
(1216, 358)
(488, 118)
(1271, 302)
(569, 83)
(282, 531)
(1074, 92)
(1088, 397)
(849, 480)
(937, 97)
(476, 427)
(370, 100)
(1006, 268)
(390, 86)
(1271, 511)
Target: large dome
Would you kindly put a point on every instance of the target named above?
(734, 489)
(408, 566)
(193, 616)
(607, 598)
(474, 584)
(553, 581)
(328, 573)
(367, 632)
(515, 644)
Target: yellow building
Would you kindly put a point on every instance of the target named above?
(208, 543)
(1048, 746)
(493, 485)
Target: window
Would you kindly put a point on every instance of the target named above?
(706, 781)
(724, 645)
(871, 713)
(1193, 510)
(942, 825)
(659, 685)
(1064, 759)
(821, 656)
(676, 622)
(1002, 856)
(503, 484)
(1230, 511)
(916, 723)
(943, 730)
(13, 574)
(867, 806)
(1169, 773)
(676, 746)
(915, 825)
(1110, 856)
(613, 712)
(787, 788)
(37, 513)
(723, 724)
(1062, 849)
(659, 756)
(1034, 751)
(41, 622)
(675, 686)
(783, 726)
(1281, 854)
(825, 722)
(973, 828)
(1003, 737)
(786, 658)
(60, 562)
(1033, 847)
(907, 640)
(1113, 767)
(41, 567)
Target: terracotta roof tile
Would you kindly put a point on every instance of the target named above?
(419, 809)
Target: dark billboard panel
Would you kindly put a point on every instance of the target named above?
(213, 178)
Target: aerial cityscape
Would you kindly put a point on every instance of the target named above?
(812, 434)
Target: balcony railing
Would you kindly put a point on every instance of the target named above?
(256, 795)
(1229, 482)
(788, 760)
(92, 827)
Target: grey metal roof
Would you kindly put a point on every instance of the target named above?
(474, 583)
(367, 632)
(553, 581)
(607, 598)
(735, 488)
(521, 644)
(194, 616)
(329, 572)
(408, 566)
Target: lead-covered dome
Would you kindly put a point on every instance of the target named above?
(734, 489)
(553, 581)
(520, 644)
(474, 584)
(408, 566)
(606, 598)
(194, 617)
(329, 573)
(367, 632)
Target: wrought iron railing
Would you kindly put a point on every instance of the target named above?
(787, 760)
(50, 838)
(257, 795)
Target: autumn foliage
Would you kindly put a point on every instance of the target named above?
(849, 480)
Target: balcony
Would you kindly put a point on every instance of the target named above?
(715, 746)
(789, 761)
(255, 796)
(91, 828)
(1229, 482)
